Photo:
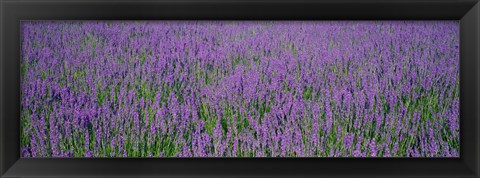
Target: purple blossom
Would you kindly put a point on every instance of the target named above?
(240, 89)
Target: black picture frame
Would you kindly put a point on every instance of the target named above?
(14, 11)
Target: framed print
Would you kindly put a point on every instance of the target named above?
(240, 88)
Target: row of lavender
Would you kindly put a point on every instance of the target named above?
(240, 89)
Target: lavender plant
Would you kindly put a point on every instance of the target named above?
(240, 89)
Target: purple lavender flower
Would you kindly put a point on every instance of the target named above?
(242, 89)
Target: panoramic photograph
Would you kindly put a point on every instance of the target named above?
(240, 89)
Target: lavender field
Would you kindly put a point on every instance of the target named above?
(240, 89)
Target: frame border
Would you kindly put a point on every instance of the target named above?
(466, 11)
